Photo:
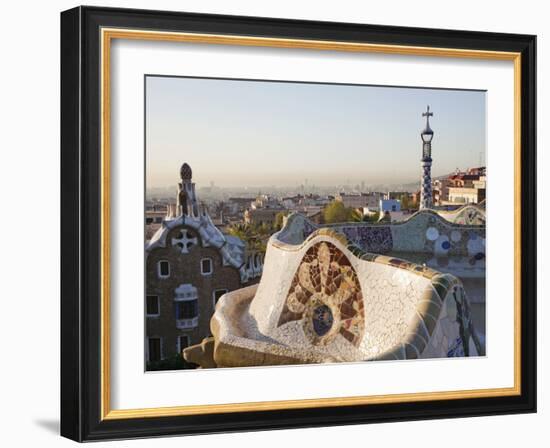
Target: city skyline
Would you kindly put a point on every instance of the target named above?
(251, 134)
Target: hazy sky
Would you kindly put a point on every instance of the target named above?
(257, 133)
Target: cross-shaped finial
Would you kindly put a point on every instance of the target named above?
(428, 114)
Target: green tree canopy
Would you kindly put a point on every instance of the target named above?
(336, 211)
(372, 218)
(355, 215)
(254, 235)
(279, 219)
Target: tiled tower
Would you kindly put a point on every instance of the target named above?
(426, 181)
(187, 199)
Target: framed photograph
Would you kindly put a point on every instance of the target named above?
(273, 223)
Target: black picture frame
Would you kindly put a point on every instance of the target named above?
(81, 224)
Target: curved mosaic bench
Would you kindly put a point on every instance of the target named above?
(322, 299)
(424, 232)
(469, 214)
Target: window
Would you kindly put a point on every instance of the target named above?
(185, 240)
(153, 306)
(148, 220)
(187, 309)
(206, 266)
(183, 342)
(155, 350)
(158, 220)
(163, 269)
(186, 306)
(217, 294)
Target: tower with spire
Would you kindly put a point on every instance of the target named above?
(187, 199)
(427, 134)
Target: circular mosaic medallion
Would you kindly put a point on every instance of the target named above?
(432, 233)
(476, 246)
(456, 236)
(322, 320)
(442, 245)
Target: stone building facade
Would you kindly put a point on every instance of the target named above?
(466, 187)
(259, 216)
(190, 264)
(466, 195)
(370, 200)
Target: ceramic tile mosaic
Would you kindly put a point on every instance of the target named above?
(424, 232)
(323, 298)
(370, 238)
(326, 294)
(466, 215)
(232, 254)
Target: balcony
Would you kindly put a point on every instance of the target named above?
(184, 324)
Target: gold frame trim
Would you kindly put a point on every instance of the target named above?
(107, 35)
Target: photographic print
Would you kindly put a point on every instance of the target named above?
(260, 201)
(298, 223)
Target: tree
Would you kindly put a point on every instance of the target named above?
(279, 219)
(336, 211)
(386, 217)
(372, 218)
(264, 229)
(255, 236)
(241, 230)
(355, 215)
(404, 201)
